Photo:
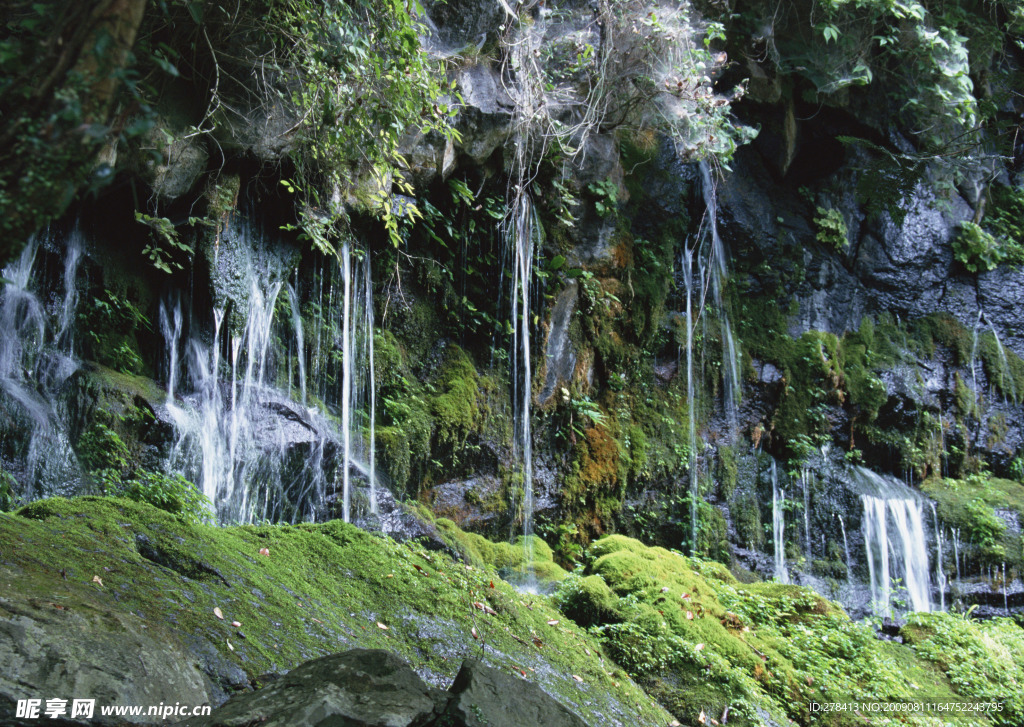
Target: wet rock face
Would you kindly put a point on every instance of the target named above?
(52, 651)
(375, 688)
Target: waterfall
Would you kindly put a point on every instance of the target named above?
(940, 575)
(691, 400)
(956, 552)
(805, 483)
(300, 352)
(779, 527)
(1005, 374)
(34, 366)
(256, 453)
(901, 554)
(846, 548)
(521, 243)
(718, 273)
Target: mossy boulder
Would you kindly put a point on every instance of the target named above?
(315, 590)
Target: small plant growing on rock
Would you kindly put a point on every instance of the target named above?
(831, 228)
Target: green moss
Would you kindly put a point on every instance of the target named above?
(508, 559)
(728, 472)
(699, 640)
(969, 505)
(458, 408)
(323, 588)
(746, 514)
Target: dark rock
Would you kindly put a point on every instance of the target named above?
(561, 358)
(485, 118)
(358, 688)
(461, 24)
(58, 650)
(483, 696)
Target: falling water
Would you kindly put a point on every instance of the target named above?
(33, 367)
(254, 452)
(956, 552)
(805, 483)
(522, 230)
(906, 546)
(1006, 597)
(779, 527)
(691, 399)
(846, 549)
(1005, 374)
(718, 275)
(300, 354)
(940, 575)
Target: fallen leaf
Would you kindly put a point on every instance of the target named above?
(664, 589)
(674, 723)
(230, 646)
(382, 626)
(492, 584)
(422, 572)
(218, 613)
(689, 615)
(522, 672)
(473, 631)
(97, 579)
(553, 622)
(699, 647)
(59, 607)
(236, 624)
(390, 575)
(578, 678)
(538, 643)
(318, 621)
(265, 551)
(685, 596)
(702, 718)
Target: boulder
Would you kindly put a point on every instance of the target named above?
(482, 696)
(375, 688)
(55, 650)
(358, 688)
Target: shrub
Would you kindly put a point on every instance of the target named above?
(172, 493)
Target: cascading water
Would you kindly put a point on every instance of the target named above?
(779, 527)
(521, 230)
(256, 451)
(940, 575)
(718, 273)
(34, 365)
(894, 541)
(691, 399)
(846, 549)
(805, 484)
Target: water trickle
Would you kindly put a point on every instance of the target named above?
(940, 574)
(300, 353)
(691, 398)
(805, 484)
(956, 552)
(522, 228)
(779, 527)
(846, 549)
(718, 273)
